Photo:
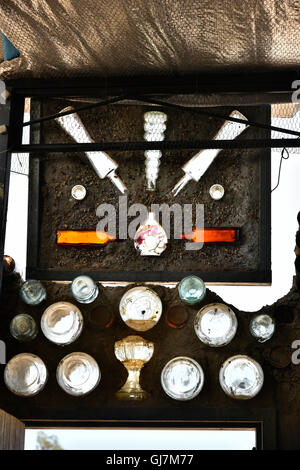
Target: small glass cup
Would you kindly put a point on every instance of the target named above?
(23, 327)
(32, 292)
(84, 289)
(191, 289)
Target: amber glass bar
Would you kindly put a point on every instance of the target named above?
(83, 237)
(213, 235)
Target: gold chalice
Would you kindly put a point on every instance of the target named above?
(133, 352)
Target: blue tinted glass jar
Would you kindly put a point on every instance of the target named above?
(191, 289)
(32, 292)
(84, 289)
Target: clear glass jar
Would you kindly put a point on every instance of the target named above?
(241, 377)
(182, 378)
(140, 308)
(84, 289)
(62, 323)
(25, 374)
(78, 374)
(32, 292)
(262, 327)
(215, 324)
(23, 327)
(191, 289)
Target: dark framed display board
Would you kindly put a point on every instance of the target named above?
(245, 173)
(52, 407)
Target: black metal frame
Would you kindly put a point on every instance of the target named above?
(263, 421)
(262, 275)
(258, 426)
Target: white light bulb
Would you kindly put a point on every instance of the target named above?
(154, 117)
(154, 127)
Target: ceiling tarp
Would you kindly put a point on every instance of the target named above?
(64, 38)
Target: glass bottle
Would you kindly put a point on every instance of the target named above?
(101, 317)
(8, 265)
(32, 292)
(150, 238)
(177, 316)
(191, 289)
(23, 327)
(84, 289)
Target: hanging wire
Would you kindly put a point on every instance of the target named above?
(145, 99)
(284, 150)
(72, 111)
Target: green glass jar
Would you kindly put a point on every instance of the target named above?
(191, 289)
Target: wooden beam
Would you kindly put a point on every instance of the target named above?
(12, 432)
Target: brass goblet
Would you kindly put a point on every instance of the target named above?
(133, 352)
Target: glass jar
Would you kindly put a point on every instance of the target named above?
(84, 289)
(241, 377)
(215, 324)
(62, 323)
(23, 327)
(140, 308)
(182, 378)
(262, 327)
(191, 289)
(32, 292)
(78, 374)
(25, 374)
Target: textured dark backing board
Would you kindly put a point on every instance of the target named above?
(244, 174)
(101, 406)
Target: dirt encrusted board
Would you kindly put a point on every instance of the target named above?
(102, 403)
(239, 171)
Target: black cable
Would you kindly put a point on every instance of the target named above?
(217, 116)
(161, 103)
(75, 110)
(279, 171)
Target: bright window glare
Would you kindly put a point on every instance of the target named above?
(145, 439)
